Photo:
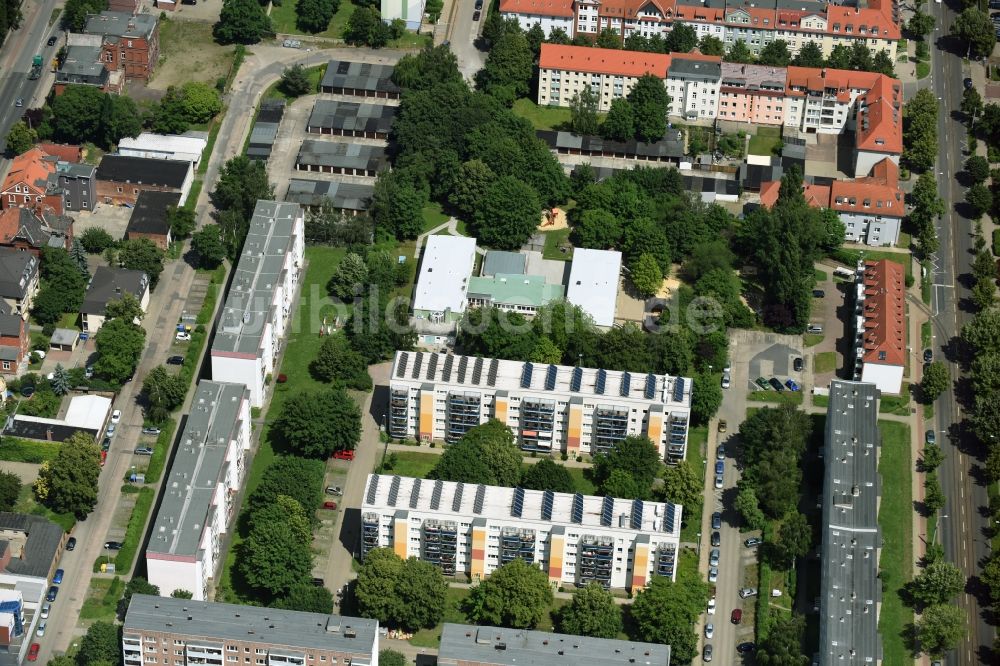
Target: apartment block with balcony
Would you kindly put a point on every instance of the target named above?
(199, 500)
(470, 530)
(880, 324)
(549, 408)
(257, 310)
(161, 631)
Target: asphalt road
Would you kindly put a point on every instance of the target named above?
(463, 33)
(15, 64)
(961, 523)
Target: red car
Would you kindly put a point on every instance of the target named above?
(329, 505)
(104, 457)
(344, 455)
(33, 652)
(736, 616)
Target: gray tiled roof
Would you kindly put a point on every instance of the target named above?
(109, 284)
(352, 116)
(120, 24)
(341, 155)
(347, 196)
(41, 546)
(150, 213)
(143, 170)
(83, 65)
(17, 269)
(360, 76)
(850, 588)
(10, 325)
(690, 68)
(467, 644)
(506, 263)
(670, 147)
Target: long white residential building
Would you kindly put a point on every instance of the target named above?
(471, 530)
(199, 497)
(550, 408)
(259, 305)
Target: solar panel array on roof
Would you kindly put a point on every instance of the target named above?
(480, 499)
(372, 490)
(607, 511)
(577, 514)
(550, 378)
(477, 370)
(394, 490)
(432, 365)
(417, 362)
(491, 376)
(446, 371)
(415, 494)
(401, 368)
(456, 501)
(601, 382)
(650, 386)
(436, 495)
(576, 382)
(548, 500)
(626, 384)
(517, 503)
(636, 521)
(679, 389)
(669, 517)
(526, 375)
(463, 364)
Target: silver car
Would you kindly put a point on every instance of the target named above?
(713, 558)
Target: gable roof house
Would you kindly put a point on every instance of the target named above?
(14, 341)
(109, 284)
(32, 183)
(18, 280)
(149, 217)
(30, 231)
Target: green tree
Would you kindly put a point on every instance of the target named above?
(647, 275)
(978, 168)
(137, 585)
(980, 198)
(840, 57)
(272, 559)
(349, 279)
(882, 63)
(406, 593)
(365, 27)
(397, 206)
(181, 594)
(972, 103)
(666, 611)
(935, 380)
(773, 442)
(748, 506)
(95, 240)
(637, 457)
(294, 81)
(547, 474)
(619, 125)
(298, 478)
(682, 484)
(931, 458)
(608, 38)
(706, 397)
(60, 381)
(376, 330)
(287, 509)
(794, 538)
(681, 38)
(783, 645)
(163, 392)
(583, 112)
(338, 364)
(775, 54)
(810, 55)
(983, 293)
(515, 595)
(486, 451)
(920, 24)
(712, 45)
(241, 22)
(68, 483)
(939, 583)
(592, 612)
(242, 182)
(545, 351)
(920, 129)
(508, 214)
(307, 599)
(974, 28)
(101, 644)
(10, 488)
(934, 498)
(375, 591)
(861, 56)
(21, 138)
(142, 254)
(314, 424)
(76, 11)
(939, 629)
(739, 52)
(472, 185)
(119, 346)
(208, 245)
(387, 657)
(508, 69)
(128, 307)
(182, 222)
(600, 230)
(315, 15)
(650, 101)
(76, 114)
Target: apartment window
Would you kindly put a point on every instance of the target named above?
(123, 55)
(232, 648)
(6, 365)
(130, 43)
(27, 199)
(119, 190)
(232, 657)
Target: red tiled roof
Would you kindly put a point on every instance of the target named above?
(65, 152)
(603, 61)
(879, 120)
(30, 168)
(563, 8)
(877, 194)
(884, 313)
(876, 22)
(817, 196)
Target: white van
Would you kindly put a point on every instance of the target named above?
(842, 272)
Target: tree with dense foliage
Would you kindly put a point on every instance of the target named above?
(422, 70)
(773, 442)
(138, 585)
(972, 104)
(410, 593)
(128, 307)
(180, 593)
(939, 583)
(978, 168)
(939, 629)
(592, 612)
(62, 287)
(10, 488)
(583, 112)
(547, 474)
(619, 125)
(810, 55)
(775, 54)
(208, 245)
(508, 214)
(516, 595)
(485, 454)
(920, 129)
(646, 275)
(794, 539)
(306, 598)
(637, 457)
(508, 69)
(666, 611)
(387, 657)
(68, 483)
(747, 505)
(920, 24)
(242, 182)
(119, 346)
(650, 102)
(142, 254)
(349, 279)
(681, 38)
(96, 240)
(182, 222)
(338, 364)
(783, 645)
(934, 497)
(711, 45)
(294, 81)
(21, 138)
(74, 17)
(272, 559)
(974, 28)
(285, 508)
(163, 392)
(84, 113)
(935, 381)
(314, 424)
(980, 199)
(241, 22)
(60, 381)
(397, 205)
(102, 644)
(314, 16)
(298, 478)
(682, 484)
(739, 52)
(608, 38)
(366, 28)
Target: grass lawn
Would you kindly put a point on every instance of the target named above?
(785, 397)
(696, 456)
(411, 463)
(896, 404)
(923, 69)
(765, 140)
(825, 362)
(895, 467)
(431, 638)
(542, 117)
(68, 320)
(553, 241)
(820, 276)
(102, 599)
(926, 337)
(433, 216)
(812, 339)
(851, 257)
(189, 53)
(929, 411)
(123, 558)
(821, 401)
(582, 482)
(13, 449)
(283, 20)
(314, 74)
(26, 503)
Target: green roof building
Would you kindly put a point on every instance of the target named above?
(514, 293)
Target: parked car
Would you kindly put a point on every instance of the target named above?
(46, 608)
(736, 616)
(720, 467)
(928, 355)
(343, 455)
(713, 557)
(52, 593)
(104, 457)
(818, 293)
(930, 437)
(71, 544)
(182, 336)
(716, 538)
(41, 629)
(33, 652)
(797, 364)
(106, 444)
(476, 15)
(815, 328)
(57, 577)
(713, 576)
(709, 630)
(334, 490)
(763, 383)
(720, 453)
(746, 648)
(748, 592)
(723, 425)
(19, 102)
(776, 384)
(967, 83)
(318, 582)
(52, 40)
(718, 482)
(329, 505)
(792, 386)
(88, 372)
(175, 360)
(116, 416)
(111, 429)
(706, 654)
(753, 542)
(113, 545)
(479, 4)
(711, 606)
(151, 430)
(717, 521)
(726, 380)
(143, 451)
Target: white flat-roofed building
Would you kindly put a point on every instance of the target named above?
(164, 147)
(259, 305)
(443, 284)
(470, 530)
(203, 483)
(549, 408)
(184, 632)
(593, 283)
